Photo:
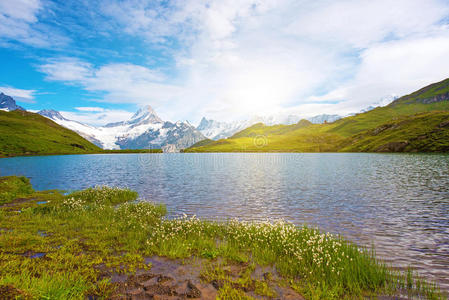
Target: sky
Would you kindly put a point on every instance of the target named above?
(98, 61)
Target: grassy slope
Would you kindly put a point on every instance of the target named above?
(26, 133)
(417, 123)
(425, 132)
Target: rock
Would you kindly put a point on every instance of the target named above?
(135, 292)
(150, 282)
(159, 297)
(393, 147)
(170, 148)
(208, 292)
(159, 290)
(10, 292)
(188, 289)
(288, 294)
(138, 294)
(218, 284)
(443, 124)
(166, 280)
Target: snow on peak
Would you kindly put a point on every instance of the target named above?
(143, 112)
(51, 114)
(145, 115)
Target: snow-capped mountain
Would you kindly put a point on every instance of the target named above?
(144, 130)
(384, 101)
(216, 130)
(7, 103)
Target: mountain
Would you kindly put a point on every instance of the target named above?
(27, 133)
(7, 103)
(86, 131)
(417, 122)
(144, 130)
(324, 118)
(216, 130)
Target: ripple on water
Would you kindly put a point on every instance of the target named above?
(398, 202)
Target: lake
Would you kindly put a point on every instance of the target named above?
(397, 202)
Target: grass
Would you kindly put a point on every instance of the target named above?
(25, 133)
(13, 187)
(87, 231)
(417, 112)
(424, 132)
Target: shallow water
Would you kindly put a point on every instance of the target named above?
(398, 202)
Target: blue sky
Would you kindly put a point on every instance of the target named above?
(99, 61)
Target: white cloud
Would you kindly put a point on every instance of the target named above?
(21, 9)
(122, 83)
(98, 118)
(360, 23)
(19, 94)
(90, 109)
(67, 69)
(236, 58)
(392, 68)
(19, 22)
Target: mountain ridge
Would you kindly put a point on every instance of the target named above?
(144, 130)
(7, 103)
(391, 128)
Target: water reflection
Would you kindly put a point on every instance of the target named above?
(399, 203)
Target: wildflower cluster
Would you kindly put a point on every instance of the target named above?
(139, 216)
(105, 195)
(73, 204)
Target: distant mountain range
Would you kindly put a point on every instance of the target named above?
(145, 130)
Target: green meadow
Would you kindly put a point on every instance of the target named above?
(56, 246)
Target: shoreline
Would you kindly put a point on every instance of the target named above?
(126, 151)
(158, 151)
(100, 242)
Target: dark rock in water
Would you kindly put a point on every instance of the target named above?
(188, 289)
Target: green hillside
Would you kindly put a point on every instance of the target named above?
(26, 133)
(413, 123)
